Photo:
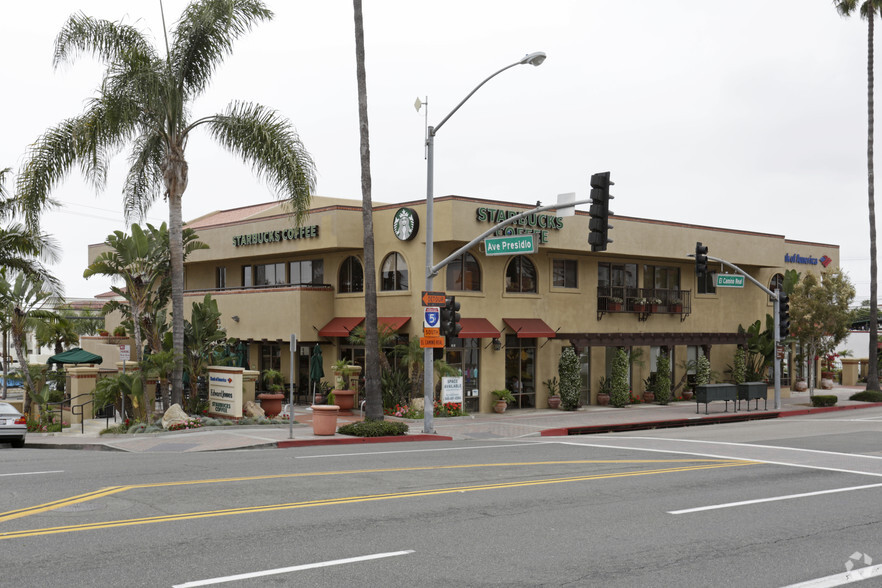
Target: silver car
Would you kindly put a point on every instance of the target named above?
(13, 426)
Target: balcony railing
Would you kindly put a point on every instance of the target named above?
(643, 302)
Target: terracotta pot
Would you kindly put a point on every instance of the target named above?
(640, 308)
(345, 399)
(271, 404)
(554, 402)
(603, 399)
(687, 394)
(614, 306)
(801, 386)
(649, 397)
(500, 406)
(324, 419)
(676, 308)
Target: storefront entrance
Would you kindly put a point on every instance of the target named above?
(520, 370)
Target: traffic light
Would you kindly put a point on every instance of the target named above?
(450, 318)
(599, 211)
(700, 260)
(783, 314)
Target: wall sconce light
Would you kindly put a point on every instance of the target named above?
(497, 345)
(235, 318)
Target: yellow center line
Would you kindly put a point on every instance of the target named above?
(365, 498)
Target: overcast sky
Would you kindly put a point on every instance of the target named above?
(747, 116)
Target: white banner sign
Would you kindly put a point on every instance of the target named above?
(451, 390)
(225, 391)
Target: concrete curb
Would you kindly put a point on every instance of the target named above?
(359, 440)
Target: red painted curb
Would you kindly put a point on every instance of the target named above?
(358, 440)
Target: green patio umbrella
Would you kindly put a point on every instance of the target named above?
(316, 371)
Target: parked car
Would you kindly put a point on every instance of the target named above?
(13, 426)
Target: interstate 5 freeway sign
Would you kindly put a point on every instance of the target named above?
(510, 245)
(730, 281)
(432, 317)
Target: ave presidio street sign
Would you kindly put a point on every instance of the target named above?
(510, 245)
(730, 281)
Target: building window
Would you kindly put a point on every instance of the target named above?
(307, 271)
(706, 284)
(351, 276)
(520, 275)
(269, 274)
(220, 277)
(394, 273)
(270, 357)
(617, 279)
(247, 273)
(776, 284)
(464, 274)
(565, 273)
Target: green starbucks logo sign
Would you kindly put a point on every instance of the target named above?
(405, 224)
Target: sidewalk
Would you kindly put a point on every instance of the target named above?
(511, 424)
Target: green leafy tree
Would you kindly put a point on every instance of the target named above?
(146, 100)
(202, 338)
(819, 314)
(662, 388)
(385, 337)
(619, 394)
(868, 10)
(570, 381)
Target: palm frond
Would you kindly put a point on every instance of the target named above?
(268, 141)
(204, 35)
(144, 182)
(108, 41)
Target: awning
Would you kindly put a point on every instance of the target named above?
(393, 322)
(75, 355)
(530, 327)
(340, 326)
(477, 328)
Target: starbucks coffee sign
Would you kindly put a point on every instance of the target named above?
(263, 237)
(405, 224)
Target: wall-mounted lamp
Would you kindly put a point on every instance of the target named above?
(235, 318)
(497, 345)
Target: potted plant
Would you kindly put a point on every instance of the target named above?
(503, 397)
(619, 394)
(568, 368)
(653, 304)
(640, 304)
(662, 384)
(676, 304)
(613, 303)
(344, 390)
(553, 387)
(603, 392)
(271, 399)
(324, 417)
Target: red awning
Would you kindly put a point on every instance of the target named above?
(340, 326)
(394, 322)
(477, 328)
(528, 328)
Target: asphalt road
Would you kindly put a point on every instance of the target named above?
(770, 503)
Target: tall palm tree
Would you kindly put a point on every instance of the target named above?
(868, 10)
(27, 301)
(372, 386)
(145, 100)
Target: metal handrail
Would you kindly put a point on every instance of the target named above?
(68, 401)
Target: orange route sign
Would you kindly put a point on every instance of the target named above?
(430, 332)
(433, 298)
(432, 342)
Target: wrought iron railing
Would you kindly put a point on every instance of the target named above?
(643, 300)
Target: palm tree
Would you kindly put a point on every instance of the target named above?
(27, 300)
(868, 10)
(386, 336)
(372, 385)
(145, 100)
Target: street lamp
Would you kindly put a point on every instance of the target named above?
(534, 59)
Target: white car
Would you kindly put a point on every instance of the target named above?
(13, 426)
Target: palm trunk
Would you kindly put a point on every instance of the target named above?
(373, 393)
(26, 372)
(175, 176)
(873, 366)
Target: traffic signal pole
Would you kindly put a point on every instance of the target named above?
(774, 296)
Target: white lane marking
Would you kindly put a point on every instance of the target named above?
(856, 575)
(34, 473)
(772, 499)
(408, 451)
(321, 564)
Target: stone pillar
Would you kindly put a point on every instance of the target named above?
(354, 373)
(850, 368)
(82, 385)
(249, 385)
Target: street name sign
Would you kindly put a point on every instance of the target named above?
(510, 245)
(433, 298)
(730, 281)
(437, 342)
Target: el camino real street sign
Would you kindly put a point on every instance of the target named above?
(730, 281)
(510, 245)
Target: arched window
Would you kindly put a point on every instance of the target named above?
(394, 273)
(520, 275)
(776, 284)
(464, 274)
(351, 276)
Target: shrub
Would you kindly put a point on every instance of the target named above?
(662, 388)
(867, 396)
(570, 385)
(823, 400)
(374, 429)
(702, 371)
(739, 367)
(619, 395)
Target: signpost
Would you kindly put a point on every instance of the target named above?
(510, 245)
(730, 281)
